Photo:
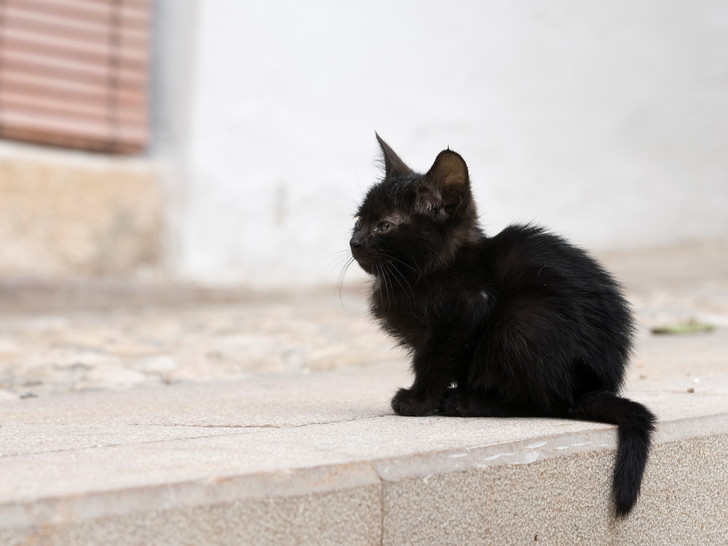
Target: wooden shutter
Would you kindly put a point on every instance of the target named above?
(74, 73)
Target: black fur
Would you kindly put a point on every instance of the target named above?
(519, 324)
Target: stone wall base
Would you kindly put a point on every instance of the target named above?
(70, 214)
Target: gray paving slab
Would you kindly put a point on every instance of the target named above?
(321, 438)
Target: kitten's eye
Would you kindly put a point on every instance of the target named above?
(384, 227)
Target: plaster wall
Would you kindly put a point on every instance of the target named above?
(605, 121)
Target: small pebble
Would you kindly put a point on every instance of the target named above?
(8, 395)
(155, 364)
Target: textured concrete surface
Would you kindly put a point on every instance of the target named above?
(564, 501)
(286, 435)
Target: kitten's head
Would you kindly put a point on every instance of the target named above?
(415, 222)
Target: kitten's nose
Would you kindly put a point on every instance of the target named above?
(355, 242)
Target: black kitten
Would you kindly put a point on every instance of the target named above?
(520, 324)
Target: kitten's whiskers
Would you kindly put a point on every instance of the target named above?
(415, 269)
(340, 282)
(403, 283)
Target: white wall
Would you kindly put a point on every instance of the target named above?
(606, 121)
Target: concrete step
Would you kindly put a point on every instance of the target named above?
(321, 459)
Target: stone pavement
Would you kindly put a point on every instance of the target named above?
(152, 413)
(104, 336)
(87, 335)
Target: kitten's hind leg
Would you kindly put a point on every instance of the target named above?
(462, 403)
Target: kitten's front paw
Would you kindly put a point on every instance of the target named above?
(405, 402)
(451, 403)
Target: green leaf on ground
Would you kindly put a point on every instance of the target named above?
(687, 327)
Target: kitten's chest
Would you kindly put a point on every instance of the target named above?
(436, 308)
(406, 316)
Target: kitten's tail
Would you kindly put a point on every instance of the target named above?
(635, 424)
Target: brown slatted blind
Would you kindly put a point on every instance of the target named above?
(74, 73)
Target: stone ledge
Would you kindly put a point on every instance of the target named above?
(72, 213)
(320, 458)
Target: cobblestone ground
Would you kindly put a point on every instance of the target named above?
(58, 337)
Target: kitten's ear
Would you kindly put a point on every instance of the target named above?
(445, 186)
(393, 165)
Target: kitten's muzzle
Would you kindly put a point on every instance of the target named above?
(355, 242)
(359, 251)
